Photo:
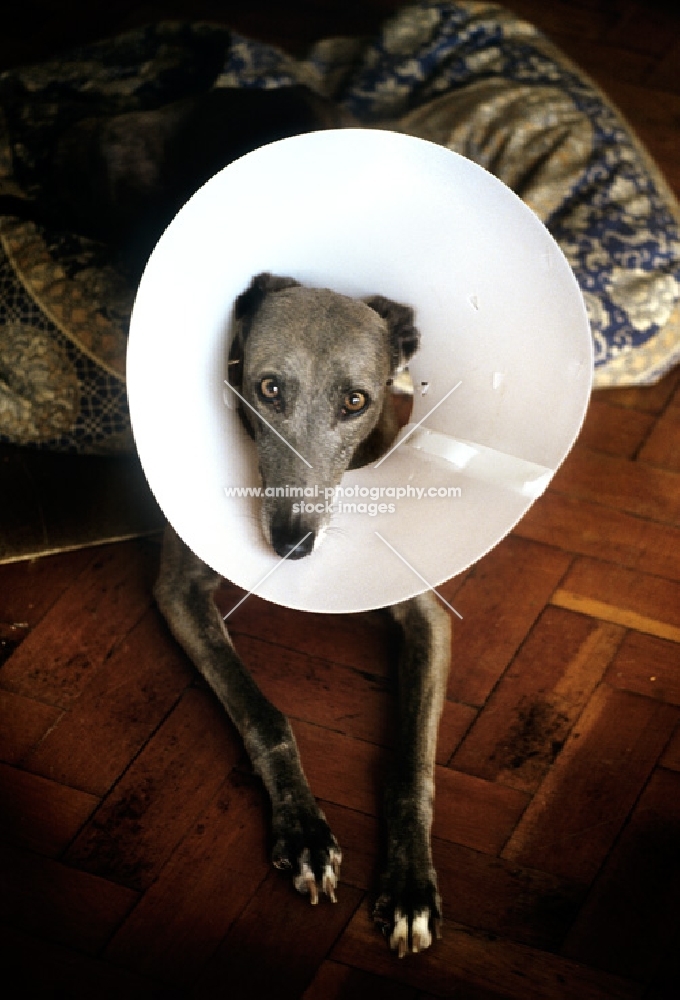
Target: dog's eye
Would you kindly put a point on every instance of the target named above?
(354, 402)
(270, 389)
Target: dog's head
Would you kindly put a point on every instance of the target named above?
(314, 368)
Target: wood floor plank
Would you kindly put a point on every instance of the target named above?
(149, 811)
(361, 841)
(662, 447)
(647, 398)
(466, 992)
(201, 890)
(29, 588)
(589, 528)
(575, 816)
(665, 75)
(298, 936)
(522, 728)
(617, 615)
(466, 959)
(615, 482)
(667, 976)
(12, 634)
(23, 723)
(644, 29)
(45, 970)
(500, 601)
(473, 812)
(58, 903)
(635, 600)
(455, 722)
(340, 982)
(38, 814)
(116, 712)
(577, 22)
(353, 700)
(347, 700)
(477, 888)
(468, 810)
(632, 914)
(364, 641)
(57, 660)
(671, 755)
(648, 666)
(340, 769)
(361, 641)
(500, 897)
(615, 430)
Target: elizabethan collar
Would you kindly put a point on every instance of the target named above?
(501, 380)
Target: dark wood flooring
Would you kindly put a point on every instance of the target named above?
(133, 837)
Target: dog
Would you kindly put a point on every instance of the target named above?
(316, 366)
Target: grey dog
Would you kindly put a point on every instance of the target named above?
(316, 366)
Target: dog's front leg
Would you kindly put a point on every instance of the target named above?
(409, 907)
(303, 840)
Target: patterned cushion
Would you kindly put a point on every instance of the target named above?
(468, 75)
(65, 301)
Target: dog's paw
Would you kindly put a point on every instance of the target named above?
(408, 911)
(311, 852)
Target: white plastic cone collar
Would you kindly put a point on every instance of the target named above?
(499, 311)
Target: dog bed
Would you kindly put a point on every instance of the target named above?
(468, 75)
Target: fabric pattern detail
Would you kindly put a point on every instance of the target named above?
(468, 75)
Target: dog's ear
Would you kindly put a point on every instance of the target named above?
(249, 302)
(245, 307)
(404, 337)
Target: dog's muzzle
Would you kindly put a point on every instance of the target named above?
(290, 537)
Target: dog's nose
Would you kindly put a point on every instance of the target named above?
(293, 544)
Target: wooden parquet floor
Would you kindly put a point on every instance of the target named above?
(133, 836)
